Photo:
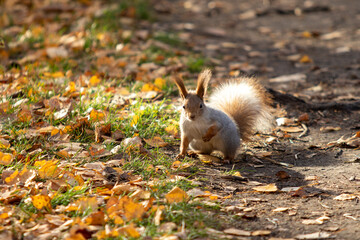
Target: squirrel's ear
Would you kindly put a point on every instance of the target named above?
(182, 89)
(202, 83)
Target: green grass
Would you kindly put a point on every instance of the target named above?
(195, 65)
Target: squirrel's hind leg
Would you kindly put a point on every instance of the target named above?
(201, 147)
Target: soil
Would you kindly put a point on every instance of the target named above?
(268, 39)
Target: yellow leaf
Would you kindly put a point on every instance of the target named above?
(4, 215)
(268, 188)
(172, 129)
(156, 142)
(306, 34)
(97, 116)
(5, 158)
(131, 209)
(41, 201)
(83, 204)
(48, 169)
(4, 143)
(57, 75)
(176, 164)
(94, 80)
(54, 132)
(237, 174)
(72, 87)
(160, 83)
(129, 231)
(12, 178)
(208, 159)
(305, 59)
(147, 87)
(134, 120)
(176, 195)
(213, 197)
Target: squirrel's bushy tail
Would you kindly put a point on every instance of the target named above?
(247, 102)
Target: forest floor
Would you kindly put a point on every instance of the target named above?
(89, 114)
(318, 44)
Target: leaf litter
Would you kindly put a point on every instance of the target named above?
(75, 133)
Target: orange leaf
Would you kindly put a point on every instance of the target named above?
(5, 158)
(94, 80)
(24, 115)
(96, 218)
(41, 201)
(131, 209)
(97, 116)
(176, 195)
(305, 59)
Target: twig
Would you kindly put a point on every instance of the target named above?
(305, 130)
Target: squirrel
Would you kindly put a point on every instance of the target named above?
(237, 108)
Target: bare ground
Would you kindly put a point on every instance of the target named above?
(268, 40)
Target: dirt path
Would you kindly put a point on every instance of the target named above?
(320, 42)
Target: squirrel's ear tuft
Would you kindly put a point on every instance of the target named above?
(203, 81)
(182, 89)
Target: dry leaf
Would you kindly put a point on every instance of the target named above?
(281, 209)
(291, 129)
(316, 235)
(41, 201)
(317, 221)
(132, 210)
(5, 158)
(237, 232)
(156, 142)
(208, 159)
(261, 233)
(345, 196)
(176, 195)
(268, 188)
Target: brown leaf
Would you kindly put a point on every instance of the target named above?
(156, 142)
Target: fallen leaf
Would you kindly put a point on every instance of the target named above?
(281, 209)
(345, 197)
(316, 235)
(132, 210)
(6, 158)
(156, 142)
(41, 201)
(176, 195)
(237, 232)
(208, 159)
(282, 175)
(317, 221)
(268, 188)
(297, 77)
(305, 59)
(329, 129)
(291, 129)
(261, 233)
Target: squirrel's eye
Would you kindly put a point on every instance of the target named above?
(201, 105)
(184, 107)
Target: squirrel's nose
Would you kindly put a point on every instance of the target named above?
(192, 117)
